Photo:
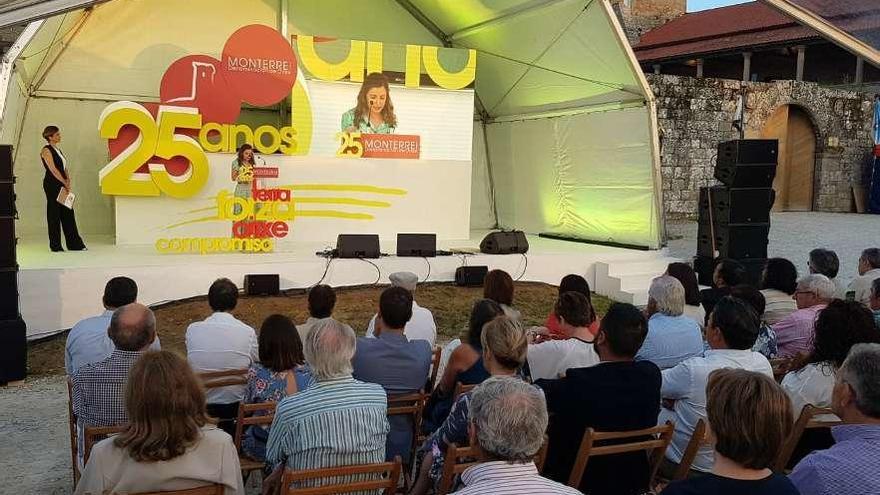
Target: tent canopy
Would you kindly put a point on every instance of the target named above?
(555, 80)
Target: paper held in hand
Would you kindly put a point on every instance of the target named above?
(66, 198)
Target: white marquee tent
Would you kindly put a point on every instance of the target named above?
(565, 137)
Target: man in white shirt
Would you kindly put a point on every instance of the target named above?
(869, 269)
(731, 333)
(88, 341)
(322, 300)
(421, 326)
(221, 342)
(549, 359)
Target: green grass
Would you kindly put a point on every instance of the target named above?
(451, 306)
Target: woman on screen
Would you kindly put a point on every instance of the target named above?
(56, 179)
(243, 173)
(374, 113)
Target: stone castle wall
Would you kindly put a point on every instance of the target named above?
(694, 115)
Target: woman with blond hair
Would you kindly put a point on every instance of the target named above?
(749, 421)
(504, 352)
(169, 443)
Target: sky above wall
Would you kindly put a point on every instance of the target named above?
(695, 5)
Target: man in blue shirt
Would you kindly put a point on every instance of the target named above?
(672, 337)
(88, 341)
(398, 364)
(851, 466)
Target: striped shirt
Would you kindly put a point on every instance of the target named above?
(336, 422)
(504, 478)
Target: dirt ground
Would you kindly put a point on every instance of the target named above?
(35, 453)
(451, 306)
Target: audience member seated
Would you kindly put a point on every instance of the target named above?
(727, 274)
(692, 300)
(839, 326)
(731, 333)
(778, 284)
(421, 326)
(88, 341)
(393, 361)
(169, 444)
(875, 301)
(672, 336)
(504, 352)
(219, 343)
(465, 365)
(749, 422)
(571, 283)
(794, 333)
(550, 358)
(338, 421)
(508, 419)
(852, 465)
(766, 342)
(280, 372)
(322, 300)
(617, 394)
(97, 388)
(869, 270)
(498, 286)
(825, 262)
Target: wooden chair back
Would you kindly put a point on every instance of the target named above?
(71, 424)
(807, 420)
(690, 452)
(656, 447)
(247, 416)
(435, 366)
(461, 388)
(409, 405)
(225, 378)
(458, 459)
(202, 490)
(95, 434)
(386, 475)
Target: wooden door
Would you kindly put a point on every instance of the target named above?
(797, 158)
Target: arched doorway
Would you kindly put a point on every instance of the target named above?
(792, 126)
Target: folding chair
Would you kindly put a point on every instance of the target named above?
(247, 416)
(387, 474)
(435, 366)
(662, 435)
(806, 421)
(225, 378)
(461, 388)
(690, 452)
(409, 405)
(94, 434)
(458, 459)
(71, 424)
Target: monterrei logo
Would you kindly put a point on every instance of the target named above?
(258, 65)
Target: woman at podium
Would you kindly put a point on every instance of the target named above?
(374, 113)
(243, 173)
(58, 216)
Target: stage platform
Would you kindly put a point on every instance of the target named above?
(59, 289)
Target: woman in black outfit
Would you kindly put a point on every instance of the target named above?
(58, 216)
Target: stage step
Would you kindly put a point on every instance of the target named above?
(628, 280)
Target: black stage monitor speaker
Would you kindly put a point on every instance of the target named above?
(736, 205)
(421, 245)
(256, 284)
(470, 276)
(513, 242)
(7, 199)
(747, 162)
(736, 241)
(7, 242)
(704, 266)
(9, 289)
(357, 246)
(13, 350)
(5, 162)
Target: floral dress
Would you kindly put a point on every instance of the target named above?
(453, 430)
(265, 385)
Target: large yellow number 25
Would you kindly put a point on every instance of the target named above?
(156, 137)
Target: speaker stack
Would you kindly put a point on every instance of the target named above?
(13, 337)
(734, 218)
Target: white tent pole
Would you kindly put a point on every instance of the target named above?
(7, 68)
(65, 42)
(33, 10)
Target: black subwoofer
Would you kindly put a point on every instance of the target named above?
(512, 242)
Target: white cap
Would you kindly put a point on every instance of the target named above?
(406, 280)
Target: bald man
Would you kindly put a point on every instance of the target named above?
(98, 398)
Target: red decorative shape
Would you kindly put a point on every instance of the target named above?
(259, 65)
(198, 81)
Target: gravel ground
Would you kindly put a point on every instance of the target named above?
(794, 235)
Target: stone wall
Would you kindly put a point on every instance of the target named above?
(640, 16)
(696, 114)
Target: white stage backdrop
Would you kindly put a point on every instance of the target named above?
(331, 196)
